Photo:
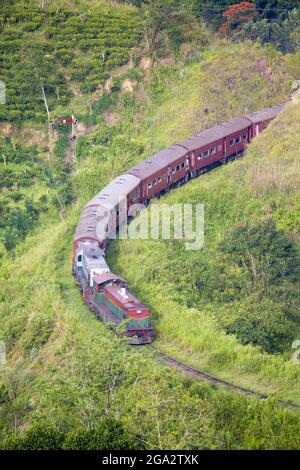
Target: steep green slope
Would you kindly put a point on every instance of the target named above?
(63, 50)
(195, 295)
(65, 368)
(57, 56)
(226, 81)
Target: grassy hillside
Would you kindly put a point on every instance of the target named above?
(68, 52)
(65, 50)
(66, 369)
(195, 296)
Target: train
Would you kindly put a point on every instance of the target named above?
(106, 294)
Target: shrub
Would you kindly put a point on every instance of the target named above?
(40, 437)
(266, 252)
(263, 323)
(13, 328)
(104, 103)
(10, 239)
(109, 434)
(38, 331)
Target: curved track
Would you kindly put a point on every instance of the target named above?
(198, 374)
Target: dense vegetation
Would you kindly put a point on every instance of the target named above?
(268, 21)
(109, 434)
(49, 54)
(231, 308)
(273, 22)
(31, 185)
(53, 51)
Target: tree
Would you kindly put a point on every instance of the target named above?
(237, 16)
(211, 11)
(282, 34)
(161, 16)
(276, 21)
(276, 9)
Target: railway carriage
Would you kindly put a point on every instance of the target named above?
(236, 136)
(108, 209)
(217, 145)
(204, 149)
(86, 228)
(163, 171)
(261, 119)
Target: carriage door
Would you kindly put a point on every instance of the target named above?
(169, 175)
(187, 164)
(187, 169)
(193, 159)
(257, 129)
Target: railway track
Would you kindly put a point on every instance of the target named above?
(199, 374)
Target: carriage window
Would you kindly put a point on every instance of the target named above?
(231, 143)
(213, 150)
(199, 156)
(182, 165)
(173, 170)
(79, 258)
(178, 167)
(206, 153)
(237, 140)
(149, 185)
(245, 137)
(153, 182)
(159, 180)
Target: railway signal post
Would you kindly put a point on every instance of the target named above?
(73, 121)
(73, 137)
